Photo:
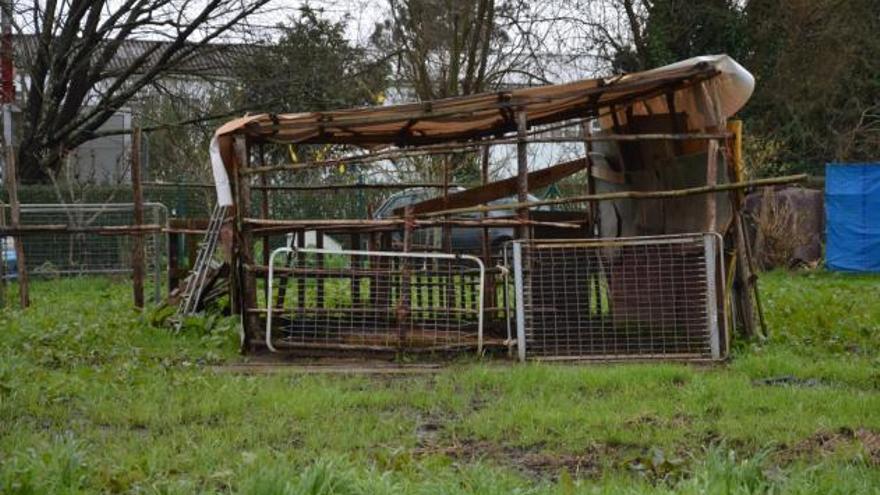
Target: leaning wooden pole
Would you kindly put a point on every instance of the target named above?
(673, 193)
(137, 249)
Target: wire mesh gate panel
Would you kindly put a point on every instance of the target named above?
(650, 297)
(374, 300)
(88, 253)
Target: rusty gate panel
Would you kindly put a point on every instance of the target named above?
(641, 297)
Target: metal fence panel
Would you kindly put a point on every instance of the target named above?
(86, 253)
(373, 300)
(648, 297)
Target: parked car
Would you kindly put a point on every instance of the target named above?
(463, 238)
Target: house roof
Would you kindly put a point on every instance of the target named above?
(491, 114)
(211, 60)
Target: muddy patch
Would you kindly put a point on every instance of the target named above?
(532, 461)
(828, 442)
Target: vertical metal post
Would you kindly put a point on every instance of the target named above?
(137, 254)
(519, 300)
(522, 172)
(710, 249)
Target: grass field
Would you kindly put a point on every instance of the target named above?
(95, 399)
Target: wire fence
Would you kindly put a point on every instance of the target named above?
(618, 298)
(373, 300)
(78, 251)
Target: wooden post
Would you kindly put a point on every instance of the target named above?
(592, 292)
(300, 260)
(595, 226)
(522, 169)
(404, 320)
(173, 260)
(372, 261)
(137, 249)
(247, 279)
(745, 286)
(264, 214)
(356, 263)
(489, 297)
(709, 106)
(446, 229)
(14, 222)
(712, 180)
(319, 259)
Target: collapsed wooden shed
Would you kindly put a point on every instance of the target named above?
(644, 267)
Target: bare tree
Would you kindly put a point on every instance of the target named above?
(81, 69)
(458, 47)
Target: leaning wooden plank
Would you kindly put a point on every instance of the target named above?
(499, 189)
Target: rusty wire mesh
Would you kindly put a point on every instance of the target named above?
(618, 298)
(374, 300)
(61, 253)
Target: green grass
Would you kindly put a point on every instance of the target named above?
(93, 398)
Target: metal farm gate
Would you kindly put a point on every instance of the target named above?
(627, 298)
(323, 299)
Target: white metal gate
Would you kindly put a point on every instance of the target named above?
(373, 300)
(642, 297)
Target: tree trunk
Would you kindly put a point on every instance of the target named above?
(34, 170)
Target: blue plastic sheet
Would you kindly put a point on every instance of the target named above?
(852, 206)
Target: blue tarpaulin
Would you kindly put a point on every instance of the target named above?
(852, 206)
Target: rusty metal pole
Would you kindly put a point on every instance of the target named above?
(137, 249)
